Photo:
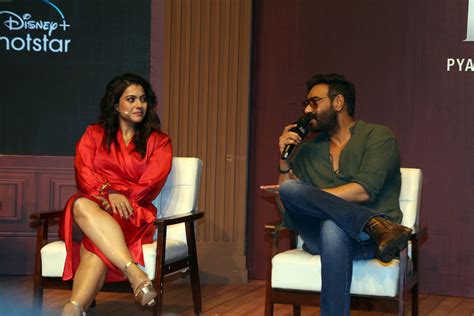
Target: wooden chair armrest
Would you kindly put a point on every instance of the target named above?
(275, 227)
(180, 218)
(273, 230)
(51, 214)
(161, 225)
(419, 234)
(41, 221)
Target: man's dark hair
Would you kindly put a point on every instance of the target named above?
(337, 85)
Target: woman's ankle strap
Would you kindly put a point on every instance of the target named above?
(127, 266)
(75, 303)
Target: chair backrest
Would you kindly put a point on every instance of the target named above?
(410, 195)
(180, 193)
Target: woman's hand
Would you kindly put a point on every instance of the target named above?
(120, 204)
(103, 202)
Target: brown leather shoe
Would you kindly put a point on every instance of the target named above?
(390, 237)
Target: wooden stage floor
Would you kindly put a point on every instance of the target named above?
(247, 299)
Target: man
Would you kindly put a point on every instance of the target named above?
(341, 189)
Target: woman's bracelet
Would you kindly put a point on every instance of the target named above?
(103, 187)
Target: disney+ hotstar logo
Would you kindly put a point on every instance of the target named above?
(16, 23)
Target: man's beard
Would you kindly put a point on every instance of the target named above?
(326, 122)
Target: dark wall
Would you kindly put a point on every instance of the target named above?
(396, 53)
(48, 97)
(51, 89)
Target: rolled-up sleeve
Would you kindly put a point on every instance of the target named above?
(381, 158)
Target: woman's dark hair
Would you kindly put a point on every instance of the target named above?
(109, 117)
(337, 85)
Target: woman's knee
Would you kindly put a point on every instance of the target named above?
(79, 206)
(82, 207)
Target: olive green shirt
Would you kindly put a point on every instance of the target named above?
(370, 158)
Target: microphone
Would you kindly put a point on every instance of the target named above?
(125, 112)
(302, 129)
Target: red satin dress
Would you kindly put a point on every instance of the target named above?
(140, 179)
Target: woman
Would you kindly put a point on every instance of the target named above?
(121, 164)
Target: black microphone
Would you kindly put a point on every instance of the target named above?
(302, 129)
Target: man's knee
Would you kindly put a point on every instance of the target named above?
(336, 246)
(288, 189)
(331, 233)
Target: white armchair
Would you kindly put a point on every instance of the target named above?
(296, 275)
(173, 250)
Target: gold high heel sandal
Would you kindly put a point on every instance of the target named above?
(145, 292)
(78, 306)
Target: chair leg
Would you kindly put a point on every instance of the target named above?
(41, 240)
(38, 296)
(403, 290)
(268, 299)
(158, 284)
(195, 287)
(193, 268)
(414, 300)
(296, 310)
(159, 271)
(401, 307)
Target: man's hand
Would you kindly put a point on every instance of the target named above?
(288, 138)
(272, 188)
(120, 205)
(351, 192)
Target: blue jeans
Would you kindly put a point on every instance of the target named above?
(332, 228)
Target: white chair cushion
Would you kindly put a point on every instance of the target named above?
(299, 270)
(53, 256)
(175, 250)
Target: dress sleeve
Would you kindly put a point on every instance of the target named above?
(381, 159)
(88, 180)
(153, 179)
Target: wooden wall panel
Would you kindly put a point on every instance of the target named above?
(59, 186)
(11, 199)
(206, 113)
(29, 184)
(17, 196)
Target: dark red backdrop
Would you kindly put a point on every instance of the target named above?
(396, 53)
